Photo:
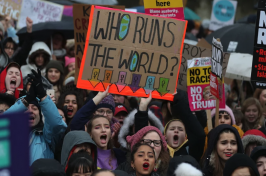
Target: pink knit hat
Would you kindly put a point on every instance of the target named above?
(228, 110)
(136, 138)
(69, 60)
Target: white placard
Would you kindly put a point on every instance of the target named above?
(223, 14)
(39, 11)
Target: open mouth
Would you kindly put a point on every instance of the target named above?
(69, 112)
(146, 166)
(31, 119)
(13, 84)
(103, 138)
(175, 141)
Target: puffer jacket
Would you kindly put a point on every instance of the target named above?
(43, 141)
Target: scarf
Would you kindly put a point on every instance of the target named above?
(172, 150)
(59, 53)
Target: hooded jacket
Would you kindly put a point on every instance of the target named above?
(258, 152)
(3, 84)
(176, 169)
(72, 139)
(26, 69)
(43, 142)
(49, 167)
(239, 160)
(213, 137)
(253, 136)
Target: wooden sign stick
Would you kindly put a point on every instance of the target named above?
(209, 119)
(217, 105)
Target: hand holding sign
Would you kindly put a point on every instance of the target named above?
(144, 102)
(100, 96)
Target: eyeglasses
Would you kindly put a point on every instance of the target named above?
(102, 112)
(8, 48)
(156, 143)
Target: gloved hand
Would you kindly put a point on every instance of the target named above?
(31, 94)
(36, 82)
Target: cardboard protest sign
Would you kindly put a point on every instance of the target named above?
(223, 14)
(39, 11)
(14, 144)
(10, 8)
(198, 85)
(190, 52)
(134, 53)
(258, 73)
(81, 15)
(216, 76)
(165, 8)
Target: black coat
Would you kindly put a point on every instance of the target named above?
(47, 167)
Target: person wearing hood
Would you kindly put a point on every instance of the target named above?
(6, 101)
(240, 164)
(9, 46)
(55, 75)
(226, 116)
(223, 142)
(153, 137)
(258, 155)
(252, 139)
(39, 57)
(184, 165)
(11, 81)
(43, 136)
(47, 167)
(78, 141)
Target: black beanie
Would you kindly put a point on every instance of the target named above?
(258, 152)
(55, 64)
(239, 160)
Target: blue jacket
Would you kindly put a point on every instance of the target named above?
(43, 142)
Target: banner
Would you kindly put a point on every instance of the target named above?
(39, 11)
(11, 8)
(134, 53)
(14, 144)
(198, 85)
(223, 14)
(190, 52)
(258, 73)
(81, 16)
(216, 77)
(168, 8)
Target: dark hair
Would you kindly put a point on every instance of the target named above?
(77, 160)
(213, 118)
(10, 40)
(109, 144)
(7, 99)
(135, 149)
(35, 54)
(102, 170)
(239, 117)
(60, 82)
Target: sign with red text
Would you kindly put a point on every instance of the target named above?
(258, 73)
(216, 76)
(10, 8)
(136, 54)
(198, 85)
(165, 8)
(39, 11)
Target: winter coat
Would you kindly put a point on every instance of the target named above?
(47, 167)
(195, 133)
(176, 169)
(43, 141)
(239, 160)
(213, 137)
(26, 69)
(3, 84)
(72, 139)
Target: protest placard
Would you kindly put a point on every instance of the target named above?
(165, 8)
(14, 144)
(190, 52)
(223, 14)
(258, 73)
(136, 53)
(10, 8)
(216, 76)
(81, 15)
(39, 11)
(198, 85)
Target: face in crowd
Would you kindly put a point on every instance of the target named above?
(175, 134)
(72, 106)
(53, 75)
(13, 79)
(9, 49)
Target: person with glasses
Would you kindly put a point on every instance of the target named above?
(153, 137)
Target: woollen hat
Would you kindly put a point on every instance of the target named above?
(226, 109)
(136, 138)
(55, 64)
(69, 60)
(107, 102)
(253, 135)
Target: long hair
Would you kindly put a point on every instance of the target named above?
(59, 83)
(248, 102)
(257, 93)
(109, 144)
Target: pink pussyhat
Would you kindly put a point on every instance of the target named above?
(69, 60)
